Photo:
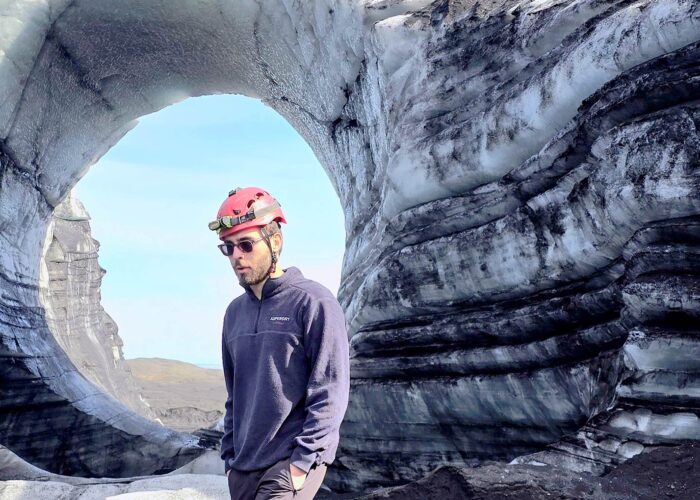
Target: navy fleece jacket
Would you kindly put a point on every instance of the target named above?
(287, 370)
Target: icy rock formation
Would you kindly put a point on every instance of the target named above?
(69, 284)
(520, 184)
(552, 153)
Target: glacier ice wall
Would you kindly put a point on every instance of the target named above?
(520, 184)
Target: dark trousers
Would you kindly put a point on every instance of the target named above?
(274, 482)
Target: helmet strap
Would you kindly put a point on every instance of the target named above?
(273, 264)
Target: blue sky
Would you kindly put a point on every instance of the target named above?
(150, 199)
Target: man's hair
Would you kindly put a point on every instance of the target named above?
(274, 228)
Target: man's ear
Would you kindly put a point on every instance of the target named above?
(277, 243)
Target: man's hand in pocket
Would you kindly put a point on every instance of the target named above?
(298, 476)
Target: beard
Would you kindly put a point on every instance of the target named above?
(256, 274)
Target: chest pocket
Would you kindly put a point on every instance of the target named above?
(271, 355)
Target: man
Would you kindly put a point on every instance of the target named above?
(285, 357)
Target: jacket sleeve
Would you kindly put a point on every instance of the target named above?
(327, 392)
(227, 452)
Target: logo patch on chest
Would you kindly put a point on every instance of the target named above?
(279, 318)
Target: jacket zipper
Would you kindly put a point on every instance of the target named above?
(258, 318)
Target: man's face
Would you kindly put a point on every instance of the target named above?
(250, 268)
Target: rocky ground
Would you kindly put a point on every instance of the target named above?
(184, 397)
(663, 473)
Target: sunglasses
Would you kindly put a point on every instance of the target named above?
(245, 246)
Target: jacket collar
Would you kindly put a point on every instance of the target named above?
(275, 285)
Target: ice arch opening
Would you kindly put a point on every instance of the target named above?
(514, 177)
(166, 282)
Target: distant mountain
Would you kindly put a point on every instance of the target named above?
(184, 396)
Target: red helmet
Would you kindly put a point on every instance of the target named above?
(245, 208)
